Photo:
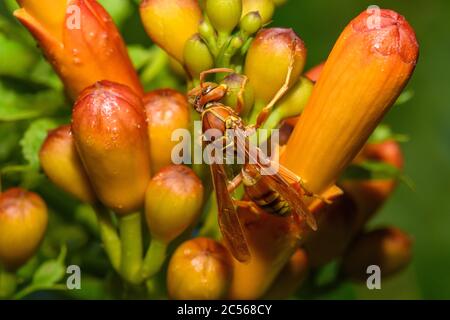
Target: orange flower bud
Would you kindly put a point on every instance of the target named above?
(268, 60)
(110, 130)
(387, 248)
(364, 74)
(370, 195)
(79, 39)
(167, 110)
(61, 163)
(290, 278)
(23, 221)
(171, 23)
(199, 269)
(265, 8)
(173, 202)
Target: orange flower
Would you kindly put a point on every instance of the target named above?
(171, 23)
(110, 132)
(364, 74)
(61, 163)
(81, 41)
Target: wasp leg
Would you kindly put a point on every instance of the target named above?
(211, 71)
(263, 115)
(249, 205)
(240, 96)
(300, 184)
(233, 184)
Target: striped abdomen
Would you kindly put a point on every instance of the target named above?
(267, 199)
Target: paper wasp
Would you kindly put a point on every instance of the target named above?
(279, 193)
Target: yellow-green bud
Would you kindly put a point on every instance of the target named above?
(197, 56)
(265, 8)
(224, 14)
(251, 23)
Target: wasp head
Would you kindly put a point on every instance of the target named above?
(206, 93)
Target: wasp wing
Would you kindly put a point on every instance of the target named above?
(229, 223)
(276, 181)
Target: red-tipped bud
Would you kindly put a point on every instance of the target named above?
(199, 269)
(23, 221)
(387, 248)
(269, 58)
(61, 163)
(363, 76)
(167, 110)
(110, 130)
(173, 202)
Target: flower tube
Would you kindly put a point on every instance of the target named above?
(81, 42)
(364, 74)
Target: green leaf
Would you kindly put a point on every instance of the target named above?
(384, 133)
(139, 55)
(19, 106)
(371, 170)
(34, 137)
(51, 271)
(120, 10)
(404, 97)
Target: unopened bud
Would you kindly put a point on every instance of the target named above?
(224, 14)
(251, 23)
(110, 130)
(199, 269)
(167, 110)
(265, 8)
(197, 57)
(387, 248)
(173, 202)
(23, 221)
(61, 163)
(269, 58)
(370, 194)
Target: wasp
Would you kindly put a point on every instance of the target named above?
(279, 193)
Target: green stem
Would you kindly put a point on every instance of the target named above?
(131, 236)
(33, 288)
(8, 283)
(154, 259)
(109, 236)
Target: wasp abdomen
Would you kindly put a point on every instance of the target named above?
(273, 203)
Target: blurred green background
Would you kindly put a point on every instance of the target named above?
(423, 212)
